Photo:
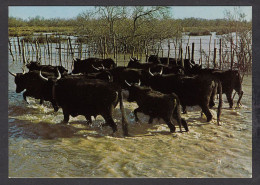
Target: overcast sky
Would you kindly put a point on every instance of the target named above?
(206, 12)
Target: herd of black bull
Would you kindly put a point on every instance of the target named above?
(159, 89)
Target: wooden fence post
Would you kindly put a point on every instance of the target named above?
(192, 51)
(23, 52)
(189, 52)
(200, 52)
(215, 55)
(19, 47)
(220, 53)
(10, 49)
(60, 51)
(231, 51)
(71, 49)
(169, 50)
(209, 50)
(182, 62)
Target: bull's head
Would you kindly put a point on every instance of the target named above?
(136, 91)
(237, 82)
(33, 65)
(19, 81)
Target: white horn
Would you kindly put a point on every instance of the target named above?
(161, 71)
(44, 78)
(128, 83)
(59, 75)
(13, 74)
(150, 72)
(23, 71)
(139, 83)
(95, 67)
(103, 67)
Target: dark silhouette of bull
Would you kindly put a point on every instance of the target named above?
(34, 85)
(86, 66)
(230, 79)
(194, 90)
(32, 66)
(157, 105)
(87, 97)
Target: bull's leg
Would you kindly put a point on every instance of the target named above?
(109, 120)
(88, 118)
(170, 124)
(135, 113)
(66, 116)
(54, 105)
(177, 115)
(206, 111)
(212, 97)
(25, 94)
(229, 98)
(41, 101)
(184, 124)
(150, 120)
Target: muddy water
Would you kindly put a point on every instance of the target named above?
(40, 146)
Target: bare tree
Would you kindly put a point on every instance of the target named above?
(111, 14)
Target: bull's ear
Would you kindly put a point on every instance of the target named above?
(128, 83)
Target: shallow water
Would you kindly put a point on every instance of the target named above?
(40, 146)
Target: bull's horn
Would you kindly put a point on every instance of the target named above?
(23, 71)
(150, 72)
(44, 78)
(59, 75)
(161, 71)
(103, 67)
(139, 83)
(128, 83)
(95, 67)
(131, 59)
(13, 74)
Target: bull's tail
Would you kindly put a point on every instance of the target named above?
(177, 113)
(124, 120)
(220, 101)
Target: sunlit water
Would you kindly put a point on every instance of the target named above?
(40, 146)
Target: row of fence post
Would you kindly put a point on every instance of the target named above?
(67, 47)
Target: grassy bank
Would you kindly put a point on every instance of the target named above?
(29, 31)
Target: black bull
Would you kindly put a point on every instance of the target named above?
(157, 105)
(89, 65)
(87, 97)
(230, 79)
(196, 90)
(34, 85)
(154, 67)
(32, 66)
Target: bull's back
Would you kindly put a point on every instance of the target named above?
(76, 93)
